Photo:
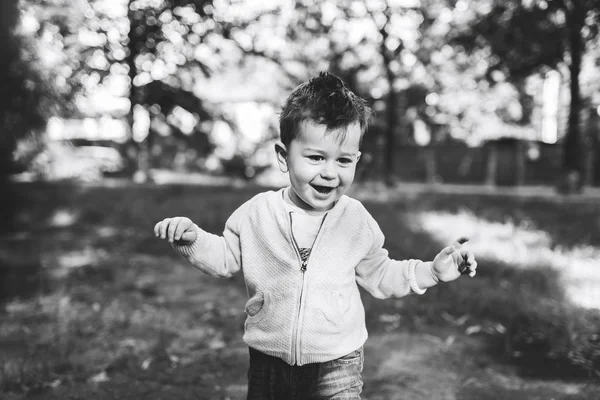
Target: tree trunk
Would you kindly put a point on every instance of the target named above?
(391, 109)
(430, 153)
(520, 163)
(390, 150)
(573, 160)
(139, 165)
(591, 145)
(9, 58)
(491, 170)
(131, 155)
(9, 16)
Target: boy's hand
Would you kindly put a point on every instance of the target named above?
(178, 229)
(447, 264)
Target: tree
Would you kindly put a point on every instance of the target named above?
(395, 54)
(524, 37)
(372, 46)
(160, 51)
(161, 63)
(27, 97)
(26, 100)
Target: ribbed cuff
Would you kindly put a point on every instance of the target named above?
(412, 278)
(189, 249)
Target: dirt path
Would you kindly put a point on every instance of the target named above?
(401, 366)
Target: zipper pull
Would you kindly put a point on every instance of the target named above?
(303, 267)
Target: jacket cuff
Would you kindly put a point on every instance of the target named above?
(191, 248)
(412, 278)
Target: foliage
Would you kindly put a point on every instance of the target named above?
(396, 54)
(368, 45)
(145, 61)
(521, 39)
(524, 37)
(149, 61)
(28, 96)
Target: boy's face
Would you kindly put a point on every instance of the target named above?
(321, 165)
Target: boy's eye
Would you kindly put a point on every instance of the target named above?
(316, 158)
(345, 160)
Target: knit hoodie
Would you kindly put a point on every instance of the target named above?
(310, 314)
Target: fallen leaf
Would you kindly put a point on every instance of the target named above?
(500, 328)
(54, 384)
(100, 377)
(146, 363)
(389, 318)
(473, 329)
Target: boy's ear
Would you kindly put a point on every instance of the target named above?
(358, 156)
(281, 152)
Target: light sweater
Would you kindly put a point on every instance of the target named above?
(308, 312)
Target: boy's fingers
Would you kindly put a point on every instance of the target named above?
(471, 258)
(469, 266)
(178, 231)
(188, 236)
(182, 227)
(163, 227)
(460, 241)
(173, 228)
(463, 266)
(468, 257)
(448, 250)
(473, 265)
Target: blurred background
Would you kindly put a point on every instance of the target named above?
(465, 92)
(117, 113)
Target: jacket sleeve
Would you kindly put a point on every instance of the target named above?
(216, 255)
(382, 276)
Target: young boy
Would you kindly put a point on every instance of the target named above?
(304, 248)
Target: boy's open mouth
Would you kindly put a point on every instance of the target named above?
(323, 189)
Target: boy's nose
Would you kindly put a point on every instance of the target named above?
(328, 171)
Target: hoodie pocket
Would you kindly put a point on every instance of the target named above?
(256, 307)
(338, 306)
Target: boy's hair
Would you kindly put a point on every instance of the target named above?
(326, 100)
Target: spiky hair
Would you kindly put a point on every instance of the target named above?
(324, 99)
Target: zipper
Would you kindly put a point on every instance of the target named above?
(303, 267)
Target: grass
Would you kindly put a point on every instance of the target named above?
(89, 296)
(537, 293)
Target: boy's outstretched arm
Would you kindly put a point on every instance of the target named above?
(215, 255)
(384, 277)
